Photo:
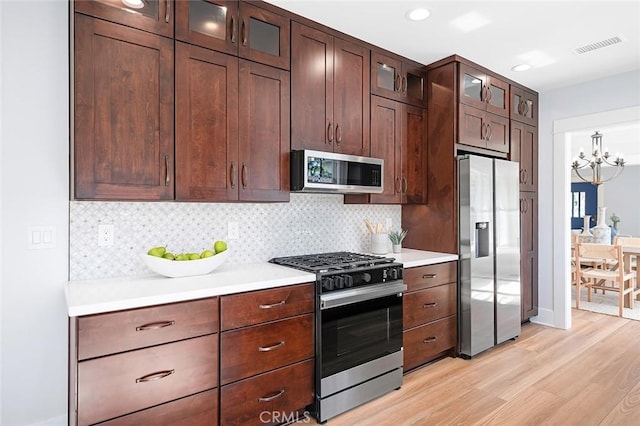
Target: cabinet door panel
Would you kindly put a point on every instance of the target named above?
(386, 124)
(414, 154)
(120, 384)
(123, 134)
(264, 36)
(386, 76)
(253, 350)
(155, 16)
(253, 401)
(497, 96)
(427, 305)
(524, 106)
(472, 87)
(312, 89)
(472, 127)
(112, 332)
(498, 133)
(524, 149)
(351, 98)
(206, 124)
(264, 133)
(430, 275)
(425, 343)
(212, 24)
(197, 410)
(528, 254)
(240, 310)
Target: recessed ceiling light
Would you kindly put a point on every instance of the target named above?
(419, 14)
(135, 4)
(521, 67)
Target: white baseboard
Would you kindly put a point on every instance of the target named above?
(545, 317)
(55, 421)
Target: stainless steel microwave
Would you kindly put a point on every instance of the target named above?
(330, 172)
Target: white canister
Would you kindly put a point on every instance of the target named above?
(379, 243)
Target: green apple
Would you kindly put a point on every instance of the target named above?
(169, 256)
(182, 256)
(157, 251)
(206, 253)
(194, 256)
(219, 246)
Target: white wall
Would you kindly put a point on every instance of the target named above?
(613, 93)
(34, 189)
(620, 196)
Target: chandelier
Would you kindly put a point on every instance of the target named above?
(599, 158)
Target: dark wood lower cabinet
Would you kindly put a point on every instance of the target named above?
(196, 410)
(529, 254)
(426, 342)
(268, 398)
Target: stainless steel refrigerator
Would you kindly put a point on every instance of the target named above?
(489, 248)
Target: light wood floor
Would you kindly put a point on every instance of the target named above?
(589, 375)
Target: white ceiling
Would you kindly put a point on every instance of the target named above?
(516, 28)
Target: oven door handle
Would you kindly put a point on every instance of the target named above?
(360, 294)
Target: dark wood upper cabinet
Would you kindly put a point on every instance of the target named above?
(155, 16)
(232, 128)
(398, 134)
(123, 118)
(398, 79)
(206, 124)
(524, 105)
(330, 93)
(237, 28)
(264, 133)
(482, 129)
(524, 150)
(483, 90)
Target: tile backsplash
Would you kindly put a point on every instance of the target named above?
(309, 223)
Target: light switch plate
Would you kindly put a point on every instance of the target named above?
(41, 237)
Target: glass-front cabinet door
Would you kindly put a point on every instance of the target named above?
(481, 90)
(155, 16)
(209, 24)
(395, 79)
(241, 29)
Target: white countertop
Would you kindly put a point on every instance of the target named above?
(106, 295)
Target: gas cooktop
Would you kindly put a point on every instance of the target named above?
(336, 261)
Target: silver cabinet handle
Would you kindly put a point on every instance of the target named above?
(430, 305)
(427, 276)
(272, 397)
(404, 85)
(271, 348)
(243, 33)
(233, 173)
(155, 325)
(405, 185)
(244, 176)
(489, 132)
(167, 15)
(167, 175)
(233, 29)
(330, 132)
(338, 134)
(273, 305)
(155, 376)
(429, 340)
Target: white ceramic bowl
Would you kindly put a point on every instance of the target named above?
(184, 268)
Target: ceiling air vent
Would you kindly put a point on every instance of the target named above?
(598, 45)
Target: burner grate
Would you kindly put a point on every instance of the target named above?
(321, 262)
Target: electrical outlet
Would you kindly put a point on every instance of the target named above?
(106, 235)
(233, 231)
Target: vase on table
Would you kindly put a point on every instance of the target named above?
(601, 232)
(614, 232)
(585, 236)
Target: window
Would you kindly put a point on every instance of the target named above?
(578, 204)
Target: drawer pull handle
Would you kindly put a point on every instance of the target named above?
(426, 276)
(272, 397)
(155, 325)
(429, 340)
(155, 376)
(271, 348)
(273, 305)
(430, 305)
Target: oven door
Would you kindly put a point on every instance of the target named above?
(367, 328)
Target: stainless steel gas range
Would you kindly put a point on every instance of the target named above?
(358, 327)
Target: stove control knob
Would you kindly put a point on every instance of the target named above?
(338, 282)
(327, 283)
(348, 281)
(392, 273)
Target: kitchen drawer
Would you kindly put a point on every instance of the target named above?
(120, 384)
(244, 309)
(424, 343)
(260, 348)
(430, 304)
(430, 275)
(114, 332)
(196, 410)
(279, 392)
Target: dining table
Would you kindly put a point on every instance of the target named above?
(629, 253)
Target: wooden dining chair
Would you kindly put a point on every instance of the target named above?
(609, 276)
(628, 242)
